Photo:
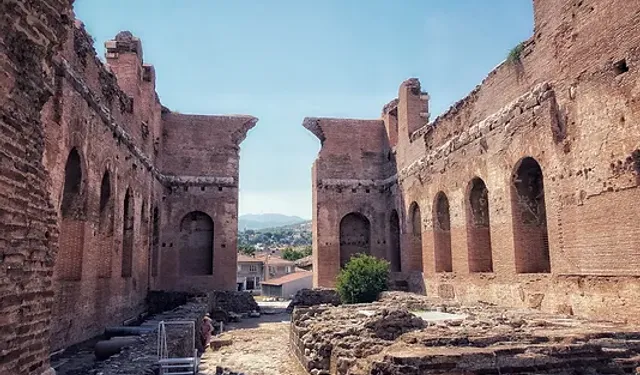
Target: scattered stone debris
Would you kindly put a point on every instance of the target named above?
(138, 355)
(314, 297)
(389, 337)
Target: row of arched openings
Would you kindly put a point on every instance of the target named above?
(531, 245)
(73, 211)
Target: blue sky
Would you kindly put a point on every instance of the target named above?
(283, 60)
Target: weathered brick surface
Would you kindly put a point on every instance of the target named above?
(570, 102)
(136, 158)
(30, 34)
(199, 156)
(78, 139)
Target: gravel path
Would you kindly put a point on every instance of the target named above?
(260, 347)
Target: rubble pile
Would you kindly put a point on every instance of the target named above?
(411, 334)
(232, 301)
(328, 339)
(314, 297)
(141, 358)
(160, 301)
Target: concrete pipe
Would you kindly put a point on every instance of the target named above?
(106, 348)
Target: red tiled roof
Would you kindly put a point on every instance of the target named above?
(288, 278)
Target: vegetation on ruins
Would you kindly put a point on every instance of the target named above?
(515, 53)
(362, 279)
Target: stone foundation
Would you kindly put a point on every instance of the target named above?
(314, 297)
(385, 338)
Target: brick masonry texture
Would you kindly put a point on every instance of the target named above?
(551, 137)
(103, 191)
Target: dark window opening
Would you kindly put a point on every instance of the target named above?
(529, 218)
(442, 234)
(355, 236)
(621, 67)
(478, 228)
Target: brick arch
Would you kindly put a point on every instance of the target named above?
(144, 222)
(355, 236)
(478, 227)
(74, 215)
(196, 244)
(105, 225)
(530, 236)
(395, 257)
(128, 234)
(415, 216)
(155, 241)
(442, 233)
(106, 208)
(73, 190)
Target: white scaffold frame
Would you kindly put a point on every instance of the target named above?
(175, 365)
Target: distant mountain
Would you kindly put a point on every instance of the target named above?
(262, 221)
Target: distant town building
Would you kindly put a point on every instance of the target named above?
(250, 273)
(287, 286)
(253, 270)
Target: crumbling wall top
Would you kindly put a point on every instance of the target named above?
(413, 84)
(124, 42)
(390, 107)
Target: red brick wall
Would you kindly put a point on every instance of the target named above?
(200, 158)
(111, 115)
(30, 34)
(344, 182)
(355, 237)
(566, 103)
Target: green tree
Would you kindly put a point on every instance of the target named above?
(306, 251)
(362, 279)
(291, 254)
(249, 250)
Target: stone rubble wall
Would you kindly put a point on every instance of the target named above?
(384, 338)
(328, 339)
(314, 297)
(232, 301)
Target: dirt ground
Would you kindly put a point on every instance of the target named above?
(260, 347)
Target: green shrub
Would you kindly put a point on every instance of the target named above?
(515, 53)
(362, 279)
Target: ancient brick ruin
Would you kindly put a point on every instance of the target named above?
(523, 194)
(105, 194)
